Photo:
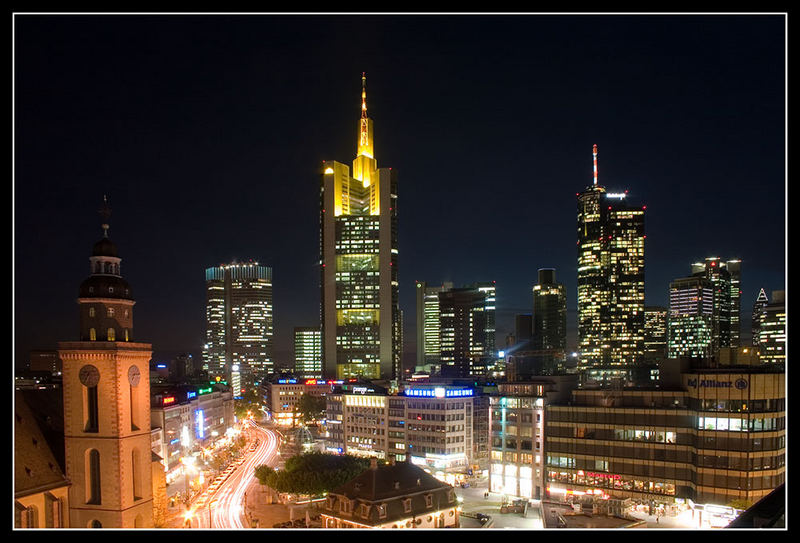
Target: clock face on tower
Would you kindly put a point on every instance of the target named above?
(89, 376)
(134, 375)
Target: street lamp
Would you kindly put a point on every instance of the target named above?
(188, 516)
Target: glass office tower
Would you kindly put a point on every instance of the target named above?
(758, 306)
(428, 346)
(691, 309)
(772, 330)
(308, 352)
(466, 328)
(549, 312)
(610, 278)
(655, 333)
(358, 264)
(725, 318)
(239, 327)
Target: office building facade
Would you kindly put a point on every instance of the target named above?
(714, 436)
(549, 312)
(610, 278)
(761, 302)
(239, 323)
(735, 271)
(428, 341)
(725, 278)
(308, 352)
(190, 418)
(690, 325)
(430, 425)
(466, 328)
(517, 423)
(772, 330)
(655, 333)
(358, 263)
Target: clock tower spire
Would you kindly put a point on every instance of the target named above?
(107, 402)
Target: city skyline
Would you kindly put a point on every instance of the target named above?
(203, 169)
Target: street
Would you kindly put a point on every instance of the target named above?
(223, 505)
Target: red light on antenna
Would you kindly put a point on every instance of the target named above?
(644, 207)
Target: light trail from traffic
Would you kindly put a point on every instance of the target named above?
(224, 505)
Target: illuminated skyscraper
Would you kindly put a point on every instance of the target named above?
(308, 352)
(758, 307)
(238, 322)
(549, 312)
(772, 330)
(735, 269)
(726, 277)
(655, 332)
(691, 309)
(428, 346)
(466, 328)
(610, 278)
(358, 256)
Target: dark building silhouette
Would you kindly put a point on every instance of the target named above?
(549, 312)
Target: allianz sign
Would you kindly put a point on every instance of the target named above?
(739, 384)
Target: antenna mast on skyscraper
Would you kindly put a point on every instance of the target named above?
(363, 95)
(594, 153)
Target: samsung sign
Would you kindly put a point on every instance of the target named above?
(439, 392)
(739, 384)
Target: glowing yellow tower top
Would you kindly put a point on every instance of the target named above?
(364, 165)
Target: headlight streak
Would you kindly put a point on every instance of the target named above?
(227, 511)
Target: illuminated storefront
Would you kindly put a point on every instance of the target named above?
(189, 418)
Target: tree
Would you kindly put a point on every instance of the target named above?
(312, 473)
(249, 402)
(310, 408)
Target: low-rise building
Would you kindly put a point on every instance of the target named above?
(41, 497)
(431, 425)
(397, 495)
(282, 392)
(517, 422)
(707, 434)
(189, 417)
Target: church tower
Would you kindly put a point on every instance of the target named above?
(107, 402)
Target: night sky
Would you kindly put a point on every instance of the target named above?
(207, 134)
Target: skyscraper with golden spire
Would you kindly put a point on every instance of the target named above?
(359, 308)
